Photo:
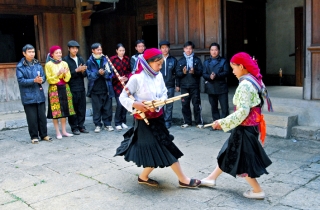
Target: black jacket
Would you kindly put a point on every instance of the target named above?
(76, 82)
(168, 71)
(220, 67)
(189, 80)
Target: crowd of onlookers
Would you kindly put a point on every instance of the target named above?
(106, 77)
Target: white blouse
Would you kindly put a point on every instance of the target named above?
(144, 88)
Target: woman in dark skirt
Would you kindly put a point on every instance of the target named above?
(242, 154)
(60, 103)
(150, 146)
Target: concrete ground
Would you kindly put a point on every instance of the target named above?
(80, 172)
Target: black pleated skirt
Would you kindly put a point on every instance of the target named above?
(242, 153)
(149, 145)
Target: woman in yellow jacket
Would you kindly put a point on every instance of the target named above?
(59, 94)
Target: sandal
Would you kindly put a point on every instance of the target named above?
(194, 183)
(149, 182)
(47, 138)
(34, 141)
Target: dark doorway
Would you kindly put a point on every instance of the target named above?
(245, 31)
(298, 29)
(15, 32)
(150, 35)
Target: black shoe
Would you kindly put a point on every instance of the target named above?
(76, 132)
(83, 130)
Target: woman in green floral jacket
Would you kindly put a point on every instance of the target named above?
(243, 154)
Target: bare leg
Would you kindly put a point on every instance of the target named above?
(56, 126)
(63, 125)
(145, 173)
(178, 171)
(214, 175)
(254, 184)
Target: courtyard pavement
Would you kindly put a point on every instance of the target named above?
(80, 172)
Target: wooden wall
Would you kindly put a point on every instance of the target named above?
(198, 21)
(55, 29)
(50, 3)
(314, 47)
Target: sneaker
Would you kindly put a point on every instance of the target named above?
(185, 125)
(97, 130)
(118, 127)
(124, 126)
(200, 126)
(108, 128)
(252, 195)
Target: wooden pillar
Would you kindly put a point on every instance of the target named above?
(80, 34)
(311, 87)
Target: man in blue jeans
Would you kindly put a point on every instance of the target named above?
(168, 71)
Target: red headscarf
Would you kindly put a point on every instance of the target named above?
(248, 63)
(149, 53)
(54, 48)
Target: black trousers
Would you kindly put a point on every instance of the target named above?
(194, 97)
(101, 109)
(121, 114)
(36, 119)
(223, 99)
(76, 121)
(167, 114)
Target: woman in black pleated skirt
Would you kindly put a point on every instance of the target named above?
(150, 146)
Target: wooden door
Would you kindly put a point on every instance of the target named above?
(298, 29)
(245, 23)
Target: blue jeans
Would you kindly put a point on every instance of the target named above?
(167, 112)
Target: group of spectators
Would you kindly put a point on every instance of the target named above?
(66, 91)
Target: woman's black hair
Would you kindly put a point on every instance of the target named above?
(155, 58)
(262, 100)
(119, 45)
(215, 44)
(95, 46)
(27, 47)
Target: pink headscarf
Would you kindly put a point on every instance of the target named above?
(246, 60)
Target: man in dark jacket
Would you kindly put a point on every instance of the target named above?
(168, 71)
(30, 76)
(215, 73)
(189, 71)
(78, 73)
(100, 88)
(140, 47)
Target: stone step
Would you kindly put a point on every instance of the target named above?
(279, 124)
(305, 133)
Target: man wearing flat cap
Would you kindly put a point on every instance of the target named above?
(78, 72)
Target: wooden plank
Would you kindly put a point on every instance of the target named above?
(182, 22)
(162, 20)
(315, 87)
(86, 14)
(212, 23)
(315, 22)
(193, 30)
(172, 21)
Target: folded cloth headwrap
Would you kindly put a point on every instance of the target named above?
(248, 63)
(143, 64)
(52, 50)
